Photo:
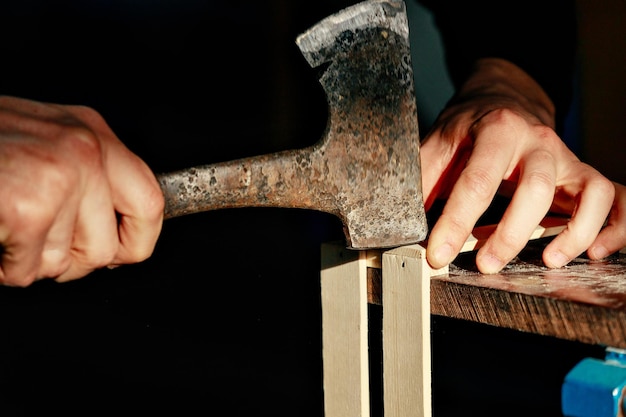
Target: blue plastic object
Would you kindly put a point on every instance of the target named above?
(595, 388)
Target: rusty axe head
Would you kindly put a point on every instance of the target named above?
(366, 167)
(372, 138)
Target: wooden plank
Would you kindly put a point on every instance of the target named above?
(584, 301)
(344, 331)
(406, 333)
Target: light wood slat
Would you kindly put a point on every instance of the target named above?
(344, 332)
(406, 333)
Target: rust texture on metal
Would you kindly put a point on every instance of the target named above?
(366, 167)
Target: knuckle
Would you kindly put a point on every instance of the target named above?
(143, 198)
(58, 179)
(152, 202)
(574, 241)
(604, 186)
(87, 113)
(547, 136)
(508, 242)
(478, 184)
(81, 141)
(103, 258)
(54, 263)
(503, 117)
(456, 227)
(540, 184)
(28, 216)
(512, 120)
(141, 249)
(93, 258)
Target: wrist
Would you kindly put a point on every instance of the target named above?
(500, 82)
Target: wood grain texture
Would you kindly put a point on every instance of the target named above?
(406, 333)
(345, 330)
(584, 301)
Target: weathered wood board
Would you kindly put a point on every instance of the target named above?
(584, 301)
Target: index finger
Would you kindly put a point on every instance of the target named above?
(139, 202)
(469, 199)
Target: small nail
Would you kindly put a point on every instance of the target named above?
(557, 259)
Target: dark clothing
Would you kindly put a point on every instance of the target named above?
(137, 58)
(538, 36)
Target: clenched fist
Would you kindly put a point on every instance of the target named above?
(73, 198)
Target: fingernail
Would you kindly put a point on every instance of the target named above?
(557, 259)
(443, 254)
(490, 264)
(599, 252)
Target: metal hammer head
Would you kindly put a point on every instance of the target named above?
(372, 139)
(366, 168)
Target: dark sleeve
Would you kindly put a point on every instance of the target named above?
(538, 36)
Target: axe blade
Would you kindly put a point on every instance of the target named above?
(368, 82)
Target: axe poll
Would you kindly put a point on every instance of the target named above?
(366, 167)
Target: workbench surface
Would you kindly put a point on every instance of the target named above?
(584, 301)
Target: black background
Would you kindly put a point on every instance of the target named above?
(224, 318)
